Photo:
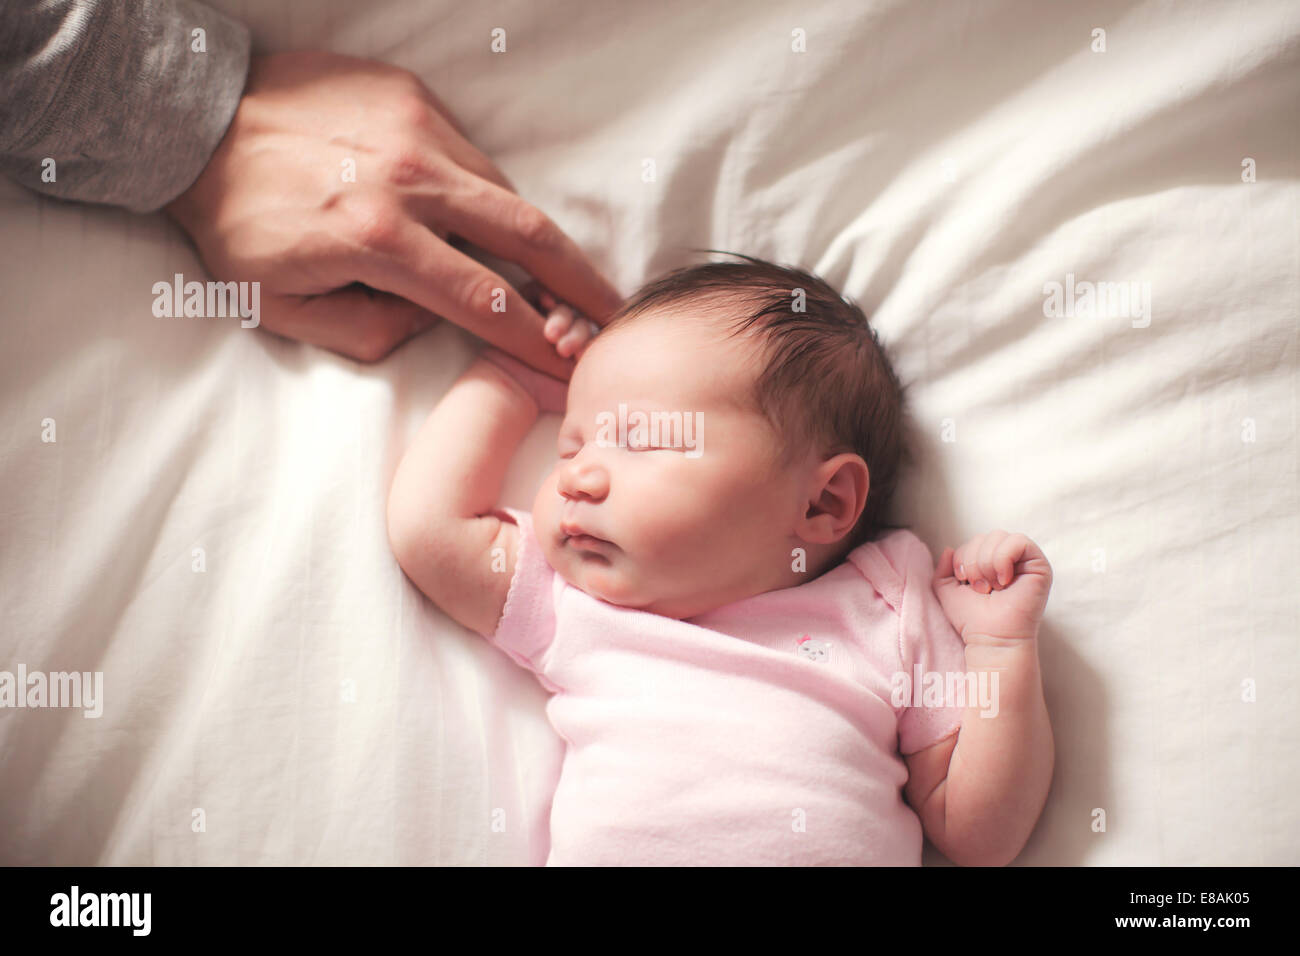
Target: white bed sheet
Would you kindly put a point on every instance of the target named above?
(938, 162)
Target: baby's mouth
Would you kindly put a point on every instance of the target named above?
(580, 540)
(587, 542)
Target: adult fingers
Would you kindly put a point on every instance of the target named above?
(430, 116)
(468, 157)
(402, 257)
(498, 221)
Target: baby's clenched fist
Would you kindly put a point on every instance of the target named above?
(995, 584)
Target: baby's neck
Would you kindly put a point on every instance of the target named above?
(806, 563)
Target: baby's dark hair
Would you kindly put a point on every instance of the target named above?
(827, 382)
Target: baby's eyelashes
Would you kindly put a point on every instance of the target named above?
(635, 445)
(569, 446)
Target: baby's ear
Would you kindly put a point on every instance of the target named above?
(837, 493)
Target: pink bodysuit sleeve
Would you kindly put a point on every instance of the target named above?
(527, 625)
(928, 645)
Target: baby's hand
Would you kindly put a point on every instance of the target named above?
(569, 332)
(550, 394)
(994, 584)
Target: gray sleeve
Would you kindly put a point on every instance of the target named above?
(117, 95)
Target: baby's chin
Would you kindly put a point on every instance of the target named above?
(592, 574)
(609, 579)
(599, 578)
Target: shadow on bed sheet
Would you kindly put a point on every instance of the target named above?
(1081, 784)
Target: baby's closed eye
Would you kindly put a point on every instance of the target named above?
(567, 451)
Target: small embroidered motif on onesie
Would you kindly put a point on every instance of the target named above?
(819, 651)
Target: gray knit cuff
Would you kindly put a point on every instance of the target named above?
(124, 95)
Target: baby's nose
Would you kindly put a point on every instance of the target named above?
(583, 479)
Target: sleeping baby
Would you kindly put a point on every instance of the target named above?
(746, 664)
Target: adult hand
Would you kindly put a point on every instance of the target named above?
(342, 184)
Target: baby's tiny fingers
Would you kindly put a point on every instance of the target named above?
(1005, 568)
(945, 569)
(1007, 554)
(987, 552)
(558, 323)
(965, 559)
(576, 338)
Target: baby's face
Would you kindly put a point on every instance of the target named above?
(671, 529)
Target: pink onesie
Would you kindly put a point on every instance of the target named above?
(758, 733)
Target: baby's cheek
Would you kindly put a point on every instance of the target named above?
(679, 554)
(690, 525)
(660, 537)
(546, 508)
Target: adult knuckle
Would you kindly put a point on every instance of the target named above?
(407, 164)
(411, 109)
(480, 292)
(376, 225)
(534, 226)
(412, 86)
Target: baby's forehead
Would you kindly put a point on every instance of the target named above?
(677, 355)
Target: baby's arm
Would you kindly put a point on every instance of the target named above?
(980, 792)
(439, 509)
